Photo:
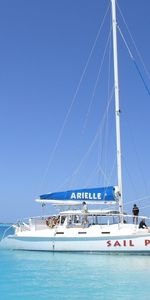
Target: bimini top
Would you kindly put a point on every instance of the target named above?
(90, 195)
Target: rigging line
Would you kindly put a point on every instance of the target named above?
(109, 61)
(96, 171)
(74, 97)
(86, 155)
(129, 177)
(107, 117)
(97, 79)
(145, 85)
(70, 178)
(138, 158)
(4, 233)
(102, 172)
(138, 52)
(62, 185)
(107, 178)
(138, 200)
(113, 167)
(91, 175)
(133, 187)
(125, 42)
(95, 138)
(143, 207)
(134, 61)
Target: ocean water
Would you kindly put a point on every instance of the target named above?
(46, 275)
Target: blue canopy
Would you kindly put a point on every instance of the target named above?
(87, 194)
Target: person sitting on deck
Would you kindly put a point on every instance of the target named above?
(142, 224)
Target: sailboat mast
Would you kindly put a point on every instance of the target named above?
(117, 104)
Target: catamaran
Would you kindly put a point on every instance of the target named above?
(81, 228)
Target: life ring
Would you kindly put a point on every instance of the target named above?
(52, 221)
(48, 221)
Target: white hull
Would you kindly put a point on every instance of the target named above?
(128, 238)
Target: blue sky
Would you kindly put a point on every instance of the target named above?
(44, 48)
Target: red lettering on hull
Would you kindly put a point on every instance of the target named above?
(108, 243)
(124, 243)
(131, 243)
(147, 242)
(116, 244)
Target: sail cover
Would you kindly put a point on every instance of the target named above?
(100, 194)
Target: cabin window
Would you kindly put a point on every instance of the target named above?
(62, 220)
(102, 220)
(74, 220)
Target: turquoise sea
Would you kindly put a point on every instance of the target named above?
(38, 275)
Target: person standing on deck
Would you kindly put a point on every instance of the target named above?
(84, 206)
(135, 212)
(85, 212)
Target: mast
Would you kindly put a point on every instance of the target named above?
(117, 104)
